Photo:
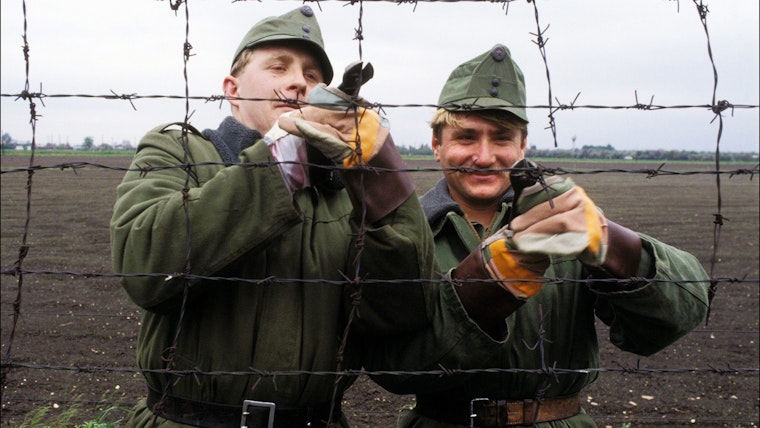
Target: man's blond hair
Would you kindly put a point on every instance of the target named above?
(241, 61)
(500, 118)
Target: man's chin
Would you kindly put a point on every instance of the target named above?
(485, 195)
(485, 187)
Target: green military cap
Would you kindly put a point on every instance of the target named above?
(490, 81)
(298, 24)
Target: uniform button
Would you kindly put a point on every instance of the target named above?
(306, 11)
(498, 54)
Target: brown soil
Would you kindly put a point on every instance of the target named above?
(75, 336)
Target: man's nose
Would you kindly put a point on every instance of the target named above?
(484, 153)
(297, 85)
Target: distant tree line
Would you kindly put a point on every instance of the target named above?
(422, 150)
(609, 152)
(88, 144)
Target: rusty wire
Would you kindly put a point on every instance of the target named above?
(18, 270)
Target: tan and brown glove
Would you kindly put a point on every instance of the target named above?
(516, 271)
(557, 218)
(553, 218)
(494, 280)
(351, 136)
(358, 139)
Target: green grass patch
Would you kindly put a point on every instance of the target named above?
(111, 417)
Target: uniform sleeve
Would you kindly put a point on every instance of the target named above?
(226, 212)
(649, 317)
(451, 341)
(396, 262)
(392, 244)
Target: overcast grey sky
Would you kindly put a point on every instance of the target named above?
(604, 50)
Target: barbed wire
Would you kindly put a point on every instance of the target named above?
(547, 369)
(441, 372)
(549, 171)
(349, 281)
(380, 106)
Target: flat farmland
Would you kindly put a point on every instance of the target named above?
(76, 330)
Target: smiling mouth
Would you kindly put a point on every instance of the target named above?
(476, 171)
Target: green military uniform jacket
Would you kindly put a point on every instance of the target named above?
(556, 328)
(241, 222)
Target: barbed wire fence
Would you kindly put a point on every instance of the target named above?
(19, 272)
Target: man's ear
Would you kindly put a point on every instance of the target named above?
(436, 144)
(230, 88)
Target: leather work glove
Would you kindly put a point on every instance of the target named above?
(340, 126)
(342, 132)
(504, 261)
(517, 255)
(516, 274)
(557, 218)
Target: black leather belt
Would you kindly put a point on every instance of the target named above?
(493, 413)
(214, 415)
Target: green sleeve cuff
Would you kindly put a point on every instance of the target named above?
(646, 268)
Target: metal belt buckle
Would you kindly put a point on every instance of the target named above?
(253, 403)
(474, 415)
